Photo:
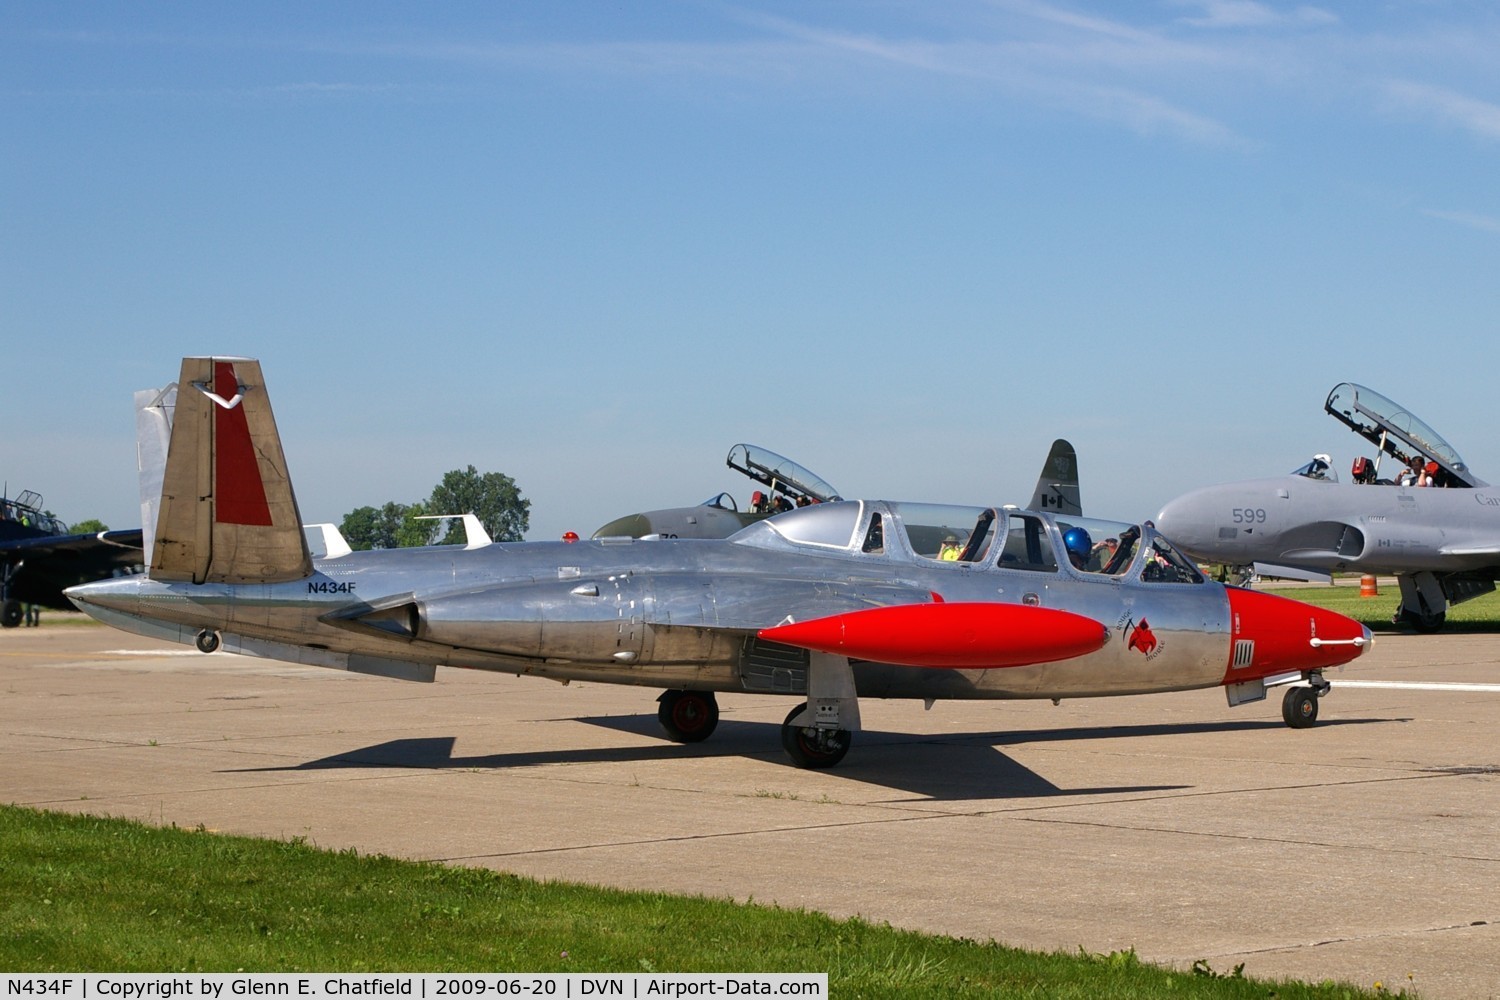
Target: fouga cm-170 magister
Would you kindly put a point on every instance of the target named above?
(826, 604)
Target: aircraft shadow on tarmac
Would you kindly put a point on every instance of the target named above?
(947, 767)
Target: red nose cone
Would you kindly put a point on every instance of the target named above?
(1275, 635)
(955, 636)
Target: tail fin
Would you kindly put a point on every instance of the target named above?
(1057, 487)
(227, 513)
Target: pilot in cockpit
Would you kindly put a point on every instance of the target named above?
(949, 550)
(1080, 547)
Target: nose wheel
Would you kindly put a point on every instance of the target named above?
(1299, 706)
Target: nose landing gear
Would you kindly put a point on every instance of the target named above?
(1299, 706)
(811, 747)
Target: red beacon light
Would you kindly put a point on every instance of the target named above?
(570, 537)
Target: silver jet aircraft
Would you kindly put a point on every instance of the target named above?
(1442, 541)
(824, 604)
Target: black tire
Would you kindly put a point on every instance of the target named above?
(1427, 624)
(688, 716)
(1299, 707)
(10, 613)
(813, 748)
(207, 641)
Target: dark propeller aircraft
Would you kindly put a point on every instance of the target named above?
(825, 604)
(39, 557)
(1429, 520)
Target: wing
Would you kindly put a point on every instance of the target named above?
(124, 545)
(40, 568)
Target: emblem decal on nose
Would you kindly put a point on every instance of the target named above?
(1138, 636)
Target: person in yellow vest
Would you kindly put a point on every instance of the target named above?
(949, 550)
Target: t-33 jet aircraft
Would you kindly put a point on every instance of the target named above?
(786, 485)
(789, 485)
(825, 604)
(1430, 520)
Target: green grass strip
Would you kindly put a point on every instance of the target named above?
(84, 893)
(1482, 614)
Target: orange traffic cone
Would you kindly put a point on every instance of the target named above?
(1368, 587)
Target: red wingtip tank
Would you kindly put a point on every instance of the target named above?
(954, 636)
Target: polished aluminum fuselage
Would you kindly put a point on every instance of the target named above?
(672, 614)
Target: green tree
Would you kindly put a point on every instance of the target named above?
(493, 497)
(385, 527)
(90, 527)
(413, 530)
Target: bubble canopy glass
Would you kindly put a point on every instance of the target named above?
(1389, 425)
(782, 475)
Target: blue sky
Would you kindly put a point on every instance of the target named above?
(594, 245)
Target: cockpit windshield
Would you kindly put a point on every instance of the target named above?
(1164, 564)
(1321, 467)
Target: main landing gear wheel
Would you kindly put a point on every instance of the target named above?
(811, 747)
(1427, 623)
(10, 613)
(1299, 707)
(688, 716)
(207, 641)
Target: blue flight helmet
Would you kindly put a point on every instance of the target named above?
(1078, 543)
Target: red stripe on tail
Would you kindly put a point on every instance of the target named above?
(239, 494)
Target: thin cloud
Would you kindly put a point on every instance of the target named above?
(1481, 118)
(1049, 74)
(1251, 14)
(1486, 223)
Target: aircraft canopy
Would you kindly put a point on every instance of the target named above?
(1394, 429)
(989, 536)
(781, 475)
(27, 509)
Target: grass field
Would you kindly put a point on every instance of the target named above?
(1479, 615)
(81, 893)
